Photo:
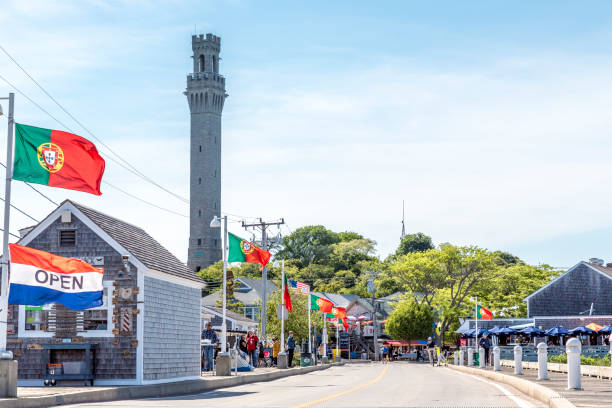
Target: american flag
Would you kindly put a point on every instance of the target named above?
(299, 287)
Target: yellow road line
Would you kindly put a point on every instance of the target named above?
(339, 394)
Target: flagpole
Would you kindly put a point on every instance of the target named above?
(282, 333)
(324, 335)
(4, 290)
(309, 324)
(337, 339)
(476, 315)
(224, 324)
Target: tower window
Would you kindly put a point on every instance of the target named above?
(215, 65)
(215, 241)
(200, 148)
(215, 205)
(215, 172)
(202, 61)
(199, 213)
(199, 180)
(199, 241)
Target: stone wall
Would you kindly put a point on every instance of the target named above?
(171, 330)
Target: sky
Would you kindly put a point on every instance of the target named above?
(491, 120)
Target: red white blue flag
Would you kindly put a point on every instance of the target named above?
(39, 277)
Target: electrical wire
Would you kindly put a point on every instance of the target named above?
(11, 234)
(32, 187)
(128, 166)
(68, 128)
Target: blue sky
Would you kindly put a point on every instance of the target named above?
(491, 120)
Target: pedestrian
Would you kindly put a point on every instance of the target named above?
(261, 355)
(385, 350)
(431, 349)
(243, 345)
(209, 334)
(252, 341)
(290, 349)
(276, 346)
(485, 343)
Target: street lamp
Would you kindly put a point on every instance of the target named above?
(223, 369)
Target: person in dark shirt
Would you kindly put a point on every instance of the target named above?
(209, 334)
(485, 343)
(290, 349)
(431, 349)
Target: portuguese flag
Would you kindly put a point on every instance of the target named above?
(320, 304)
(287, 296)
(57, 159)
(241, 250)
(337, 313)
(483, 313)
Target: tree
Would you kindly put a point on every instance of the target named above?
(308, 245)
(347, 254)
(444, 278)
(418, 242)
(297, 321)
(410, 320)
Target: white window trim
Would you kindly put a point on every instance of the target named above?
(23, 333)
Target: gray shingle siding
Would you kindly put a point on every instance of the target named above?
(171, 330)
(573, 294)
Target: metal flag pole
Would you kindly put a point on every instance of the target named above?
(224, 323)
(4, 290)
(282, 333)
(337, 339)
(324, 336)
(476, 315)
(309, 324)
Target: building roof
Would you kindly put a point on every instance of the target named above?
(232, 315)
(250, 292)
(338, 299)
(140, 244)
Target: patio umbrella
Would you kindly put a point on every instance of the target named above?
(557, 331)
(494, 330)
(470, 333)
(532, 332)
(594, 326)
(504, 331)
(605, 330)
(581, 330)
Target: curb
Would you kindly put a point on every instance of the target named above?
(537, 391)
(155, 390)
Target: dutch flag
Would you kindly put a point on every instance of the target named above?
(39, 277)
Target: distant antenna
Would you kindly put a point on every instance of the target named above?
(403, 225)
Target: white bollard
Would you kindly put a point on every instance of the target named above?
(496, 359)
(461, 357)
(481, 357)
(471, 357)
(518, 360)
(542, 361)
(573, 348)
(456, 357)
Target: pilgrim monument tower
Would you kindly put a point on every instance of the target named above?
(205, 95)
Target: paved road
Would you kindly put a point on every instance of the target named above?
(355, 385)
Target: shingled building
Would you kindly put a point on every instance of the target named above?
(147, 330)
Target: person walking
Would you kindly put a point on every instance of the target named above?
(431, 349)
(275, 351)
(290, 349)
(243, 345)
(485, 343)
(252, 341)
(209, 334)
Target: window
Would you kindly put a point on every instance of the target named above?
(200, 148)
(202, 61)
(199, 180)
(199, 213)
(67, 238)
(199, 241)
(215, 242)
(34, 320)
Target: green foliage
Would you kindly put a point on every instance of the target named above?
(418, 242)
(308, 245)
(410, 320)
(593, 361)
(297, 321)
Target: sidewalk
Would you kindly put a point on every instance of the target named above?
(33, 397)
(595, 393)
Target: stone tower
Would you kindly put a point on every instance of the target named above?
(205, 95)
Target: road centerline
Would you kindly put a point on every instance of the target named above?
(339, 394)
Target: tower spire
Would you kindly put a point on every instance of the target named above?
(403, 225)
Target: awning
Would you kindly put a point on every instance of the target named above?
(399, 343)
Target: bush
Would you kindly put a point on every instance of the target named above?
(584, 360)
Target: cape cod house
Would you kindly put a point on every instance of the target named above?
(146, 331)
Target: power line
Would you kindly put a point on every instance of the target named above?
(129, 167)
(23, 212)
(144, 201)
(68, 128)
(32, 187)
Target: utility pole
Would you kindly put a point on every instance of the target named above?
(371, 289)
(266, 243)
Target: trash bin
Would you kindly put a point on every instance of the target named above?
(305, 359)
(335, 356)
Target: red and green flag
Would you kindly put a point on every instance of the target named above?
(241, 250)
(286, 296)
(57, 159)
(483, 313)
(320, 304)
(337, 313)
